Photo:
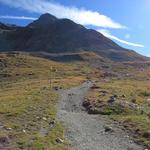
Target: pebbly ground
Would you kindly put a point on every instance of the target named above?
(86, 132)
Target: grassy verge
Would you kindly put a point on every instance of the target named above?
(125, 100)
(28, 103)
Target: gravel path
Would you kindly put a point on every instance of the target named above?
(86, 132)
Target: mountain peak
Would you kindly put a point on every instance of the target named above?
(44, 20)
(47, 17)
(53, 35)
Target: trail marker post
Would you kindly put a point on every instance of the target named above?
(52, 69)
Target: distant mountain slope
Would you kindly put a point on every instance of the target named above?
(6, 26)
(53, 35)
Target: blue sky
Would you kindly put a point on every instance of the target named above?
(126, 22)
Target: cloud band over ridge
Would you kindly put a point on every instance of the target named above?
(18, 17)
(78, 15)
(81, 16)
(109, 35)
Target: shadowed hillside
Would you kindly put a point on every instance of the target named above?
(52, 35)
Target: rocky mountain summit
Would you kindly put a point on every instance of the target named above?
(53, 35)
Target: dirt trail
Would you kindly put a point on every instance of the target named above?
(86, 132)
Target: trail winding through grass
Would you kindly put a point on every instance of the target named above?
(86, 132)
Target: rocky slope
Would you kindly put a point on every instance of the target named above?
(53, 35)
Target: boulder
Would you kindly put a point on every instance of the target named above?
(4, 140)
(59, 140)
(95, 86)
(44, 118)
(108, 128)
(148, 115)
(112, 99)
(52, 122)
(94, 110)
(86, 103)
(146, 134)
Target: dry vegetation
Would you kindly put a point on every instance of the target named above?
(27, 102)
(123, 92)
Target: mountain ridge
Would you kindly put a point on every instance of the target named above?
(53, 35)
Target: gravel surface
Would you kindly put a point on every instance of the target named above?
(87, 132)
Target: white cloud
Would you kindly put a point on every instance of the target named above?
(81, 16)
(109, 35)
(17, 17)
